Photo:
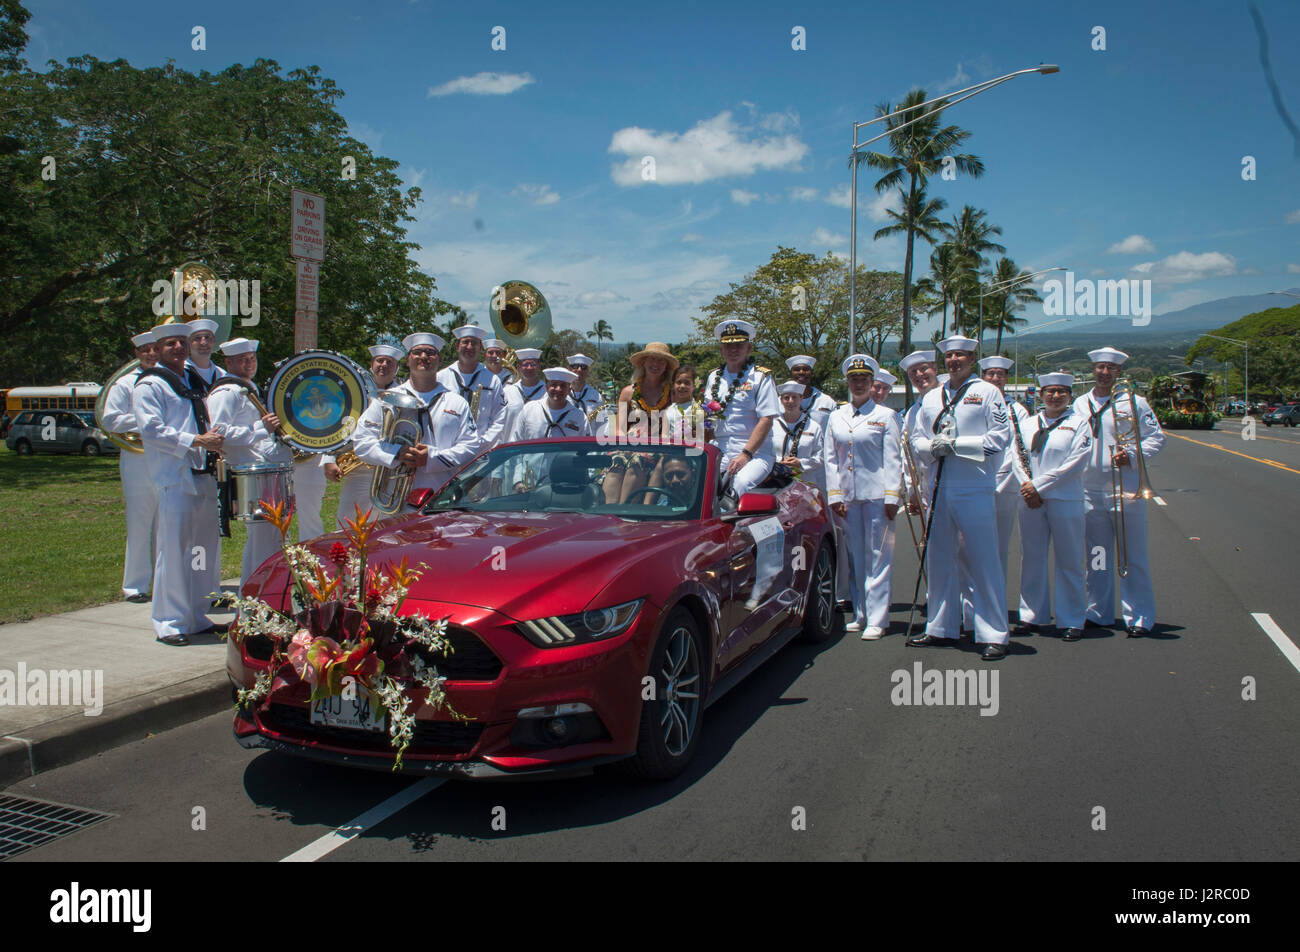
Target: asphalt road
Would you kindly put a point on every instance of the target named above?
(1155, 732)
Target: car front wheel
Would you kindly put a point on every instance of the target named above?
(90, 448)
(669, 732)
(820, 619)
(23, 448)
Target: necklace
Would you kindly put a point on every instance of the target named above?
(712, 394)
(640, 400)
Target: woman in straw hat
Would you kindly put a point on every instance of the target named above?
(641, 419)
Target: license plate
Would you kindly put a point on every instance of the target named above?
(354, 712)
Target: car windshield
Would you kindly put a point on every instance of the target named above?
(649, 483)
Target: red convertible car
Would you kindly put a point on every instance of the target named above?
(584, 631)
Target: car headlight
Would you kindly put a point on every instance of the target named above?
(559, 631)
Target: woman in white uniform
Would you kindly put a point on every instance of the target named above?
(796, 437)
(862, 449)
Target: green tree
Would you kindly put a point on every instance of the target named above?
(1016, 291)
(156, 166)
(601, 331)
(919, 147)
(971, 234)
(952, 276)
(1273, 336)
(13, 38)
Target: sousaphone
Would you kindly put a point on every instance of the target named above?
(130, 442)
(520, 315)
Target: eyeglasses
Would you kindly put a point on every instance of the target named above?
(677, 476)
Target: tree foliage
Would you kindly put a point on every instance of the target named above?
(1274, 339)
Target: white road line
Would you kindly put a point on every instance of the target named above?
(372, 817)
(1159, 501)
(1284, 644)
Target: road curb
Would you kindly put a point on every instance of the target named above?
(76, 737)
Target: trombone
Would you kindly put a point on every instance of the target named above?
(1127, 429)
(914, 476)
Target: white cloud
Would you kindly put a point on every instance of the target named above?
(1292, 218)
(537, 194)
(779, 121)
(882, 203)
(959, 78)
(1132, 245)
(801, 193)
(464, 199)
(483, 84)
(367, 134)
(602, 298)
(686, 298)
(823, 237)
(415, 177)
(692, 236)
(840, 196)
(742, 197)
(712, 149)
(1292, 268)
(1185, 267)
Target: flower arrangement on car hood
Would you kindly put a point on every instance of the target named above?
(345, 635)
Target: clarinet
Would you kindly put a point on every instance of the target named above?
(1020, 443)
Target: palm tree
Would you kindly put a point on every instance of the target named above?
(950, 277)
(920, 216)
(971, 233)
(917, 151)
(601, 331)
(1014, 295)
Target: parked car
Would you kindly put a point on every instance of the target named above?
(685, 591)
(1286, 415)
(58, 431)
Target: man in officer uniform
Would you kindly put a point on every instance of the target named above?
(494, 355)
(963, 427)
(819, 405)
(1137, 597)
(994, 370)
(137, 488)
(177, 438)
(448, 440)
(529, 386)
(249, 440)
(355, 492)
(742, 400)
(468, 376)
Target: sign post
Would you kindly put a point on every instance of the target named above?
(307, 245)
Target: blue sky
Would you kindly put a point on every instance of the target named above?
(1126, 164)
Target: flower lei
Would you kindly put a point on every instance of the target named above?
(718, 408)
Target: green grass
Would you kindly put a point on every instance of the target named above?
(63, 534)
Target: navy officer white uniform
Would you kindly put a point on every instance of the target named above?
(249, 440)
(1137, 597)
(964, 426)
(864, 473)
(1058, 442)
(137, 488)
(814, 402)
(797, 438)
(530, 385)
(177, 439)
(448, 437)
(994, 370)
(467, 376)
(747, 397)
(354, 494)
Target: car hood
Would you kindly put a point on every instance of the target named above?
(520, 564)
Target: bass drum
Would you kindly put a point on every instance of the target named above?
(319, 396)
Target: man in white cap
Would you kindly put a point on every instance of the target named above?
(249, 439)
(199, 368)
(530, 385)
(963, 426)
(796, 437)
(1059, 443)
(449, 439)
(137, 488)
(864, 463)
(882, 388)
(179, 446)
(470, 378)
(551, 419)
(994, 370)
(586, 397)
(921, 371)
(741, 401)
(355, 491)
(816, 403)
(494, 355)
(1137, 596)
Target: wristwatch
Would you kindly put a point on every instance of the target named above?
(748, 452)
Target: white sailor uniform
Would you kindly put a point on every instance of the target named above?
(1008, 499)
(491, 420)
(181, 592)
(803, 440)
(965, 513)
(862, 450)
(517, 394)
(1058, 476)
(138, 490)
(754, 399)
(1137, 596)
(208, 522)
(247, 442)
(537, 421)
(447, 430)
(819, 406)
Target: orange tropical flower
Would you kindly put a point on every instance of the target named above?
(276, 515)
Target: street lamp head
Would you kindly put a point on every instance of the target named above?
(1046, 68)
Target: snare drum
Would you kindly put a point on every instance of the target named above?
(257, 481)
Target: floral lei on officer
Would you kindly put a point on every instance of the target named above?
(717, 409)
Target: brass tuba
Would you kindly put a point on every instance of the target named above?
(389, 487)
(520, 315)
(1127, 430)
(130, 442)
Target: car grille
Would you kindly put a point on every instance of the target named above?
(441, 736)
(470, 660)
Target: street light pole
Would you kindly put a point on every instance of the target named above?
(1245, 365)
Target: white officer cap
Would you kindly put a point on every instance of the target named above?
(528, 353)
(734, 332)
(791, 386)
(884, 376)
(387, 350)
(494, 342)
(996, 363)
(146, 337)
(800, 360)
(176, 329)
(1058, 379)
(469, 330)
(424, 339)
(560, 373)
(1107, 355)
(239, 345)
(203, 324)
(959, 343)
(580, 359)
(914, 358)
(859, 364)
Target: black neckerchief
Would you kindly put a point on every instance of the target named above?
(197, 382)
(423, 415)
(949, 404)
(792, 436)
(198, 409)
(579, 402)
(1094, 418)
(465, 386)
(553, 424)
(529, 396)
(1040, 438)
